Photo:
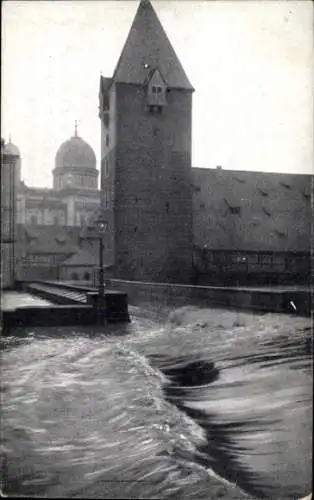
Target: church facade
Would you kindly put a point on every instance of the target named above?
(74, 195)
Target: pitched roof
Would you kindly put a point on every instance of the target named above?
(81, 258)
(48, 239)
(148, 47)
(256, 211)
(105, 84)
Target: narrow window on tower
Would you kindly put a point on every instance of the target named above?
(107, 198)
(107, 140)
(106, 167)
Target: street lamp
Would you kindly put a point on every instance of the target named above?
(96, 231)
(101, 226)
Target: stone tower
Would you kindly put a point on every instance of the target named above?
(145, 111)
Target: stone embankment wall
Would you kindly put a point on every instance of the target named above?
(268, 300)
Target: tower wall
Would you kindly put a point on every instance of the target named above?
(153, 198)
(108, 154)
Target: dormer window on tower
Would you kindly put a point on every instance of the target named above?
(156, 92)
(156, 89)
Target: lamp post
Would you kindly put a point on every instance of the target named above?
(102, 226)
(96, 231)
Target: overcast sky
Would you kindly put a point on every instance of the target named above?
(251, 64)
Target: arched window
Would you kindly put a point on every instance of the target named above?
(86, 276)
(74, 277)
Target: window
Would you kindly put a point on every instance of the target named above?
(106, 118)
(106, 198)
(106, 167)
(242, 181)
(86, 276)
(74, 277)
(306, 194)
(281, 233)
(156, 89)
(60, 239)
(286, 185)
(265, 259)
(222, 258)
(233, 206)
(107, 140)
(262, 192)
(267, 211)
(155, 109)
(235, 210)
(289, 263)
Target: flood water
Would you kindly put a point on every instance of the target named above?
(122, 413)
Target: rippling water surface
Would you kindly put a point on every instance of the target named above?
(101, 414)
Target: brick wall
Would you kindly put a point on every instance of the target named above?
(153, 199)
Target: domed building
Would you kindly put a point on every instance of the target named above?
(74, 195)
(49, 221)
(75, 165)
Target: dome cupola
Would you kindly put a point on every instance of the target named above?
(75, 165)
(12, 149)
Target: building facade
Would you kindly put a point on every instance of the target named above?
(9, 169)
(75, 194)
(252, 227)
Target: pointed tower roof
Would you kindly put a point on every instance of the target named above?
(147, 47)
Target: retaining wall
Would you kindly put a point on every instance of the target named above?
(54, 315)
(287, 301)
